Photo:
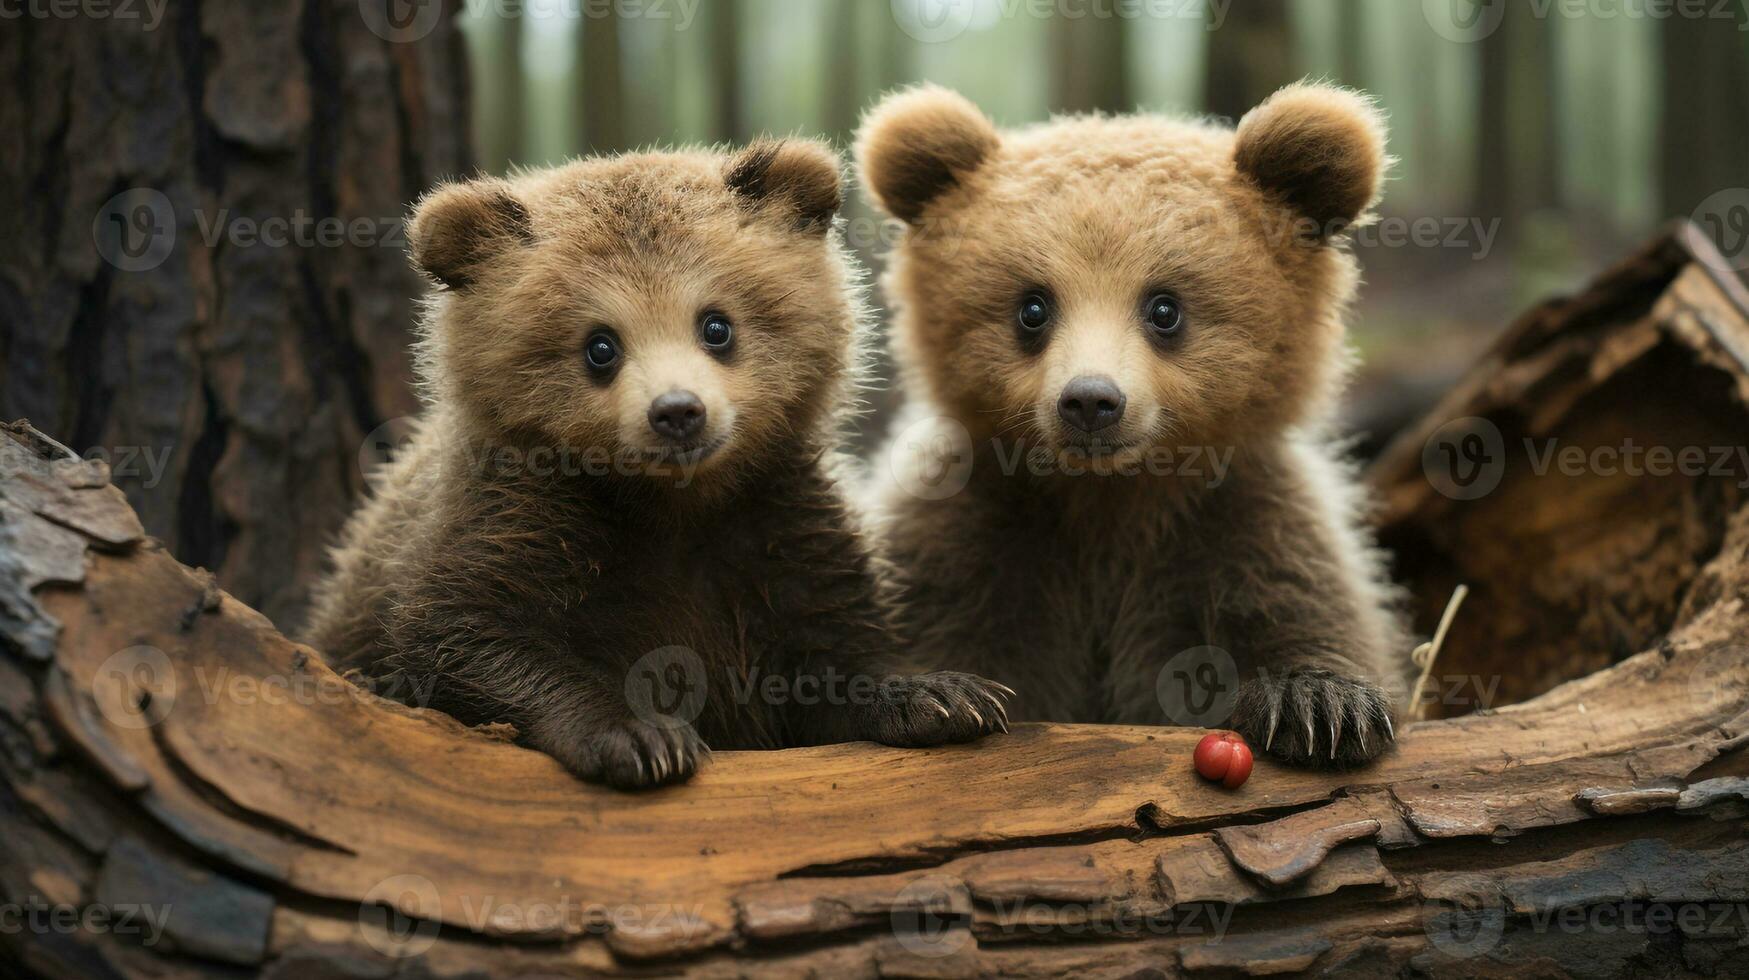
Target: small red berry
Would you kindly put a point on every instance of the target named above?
(1223, 757)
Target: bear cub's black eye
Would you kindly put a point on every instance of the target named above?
(1035, 312)
(601, 351)
(716, 331)
(1165, 317)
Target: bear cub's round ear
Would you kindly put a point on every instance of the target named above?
(918, 143)
(1319, 148)
(458, 228)
(800, 175)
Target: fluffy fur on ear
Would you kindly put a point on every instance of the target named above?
(457, 228)
(918, 143)
(1319, 148)
(801, 175)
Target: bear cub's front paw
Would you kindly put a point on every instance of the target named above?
(629, 754)
(1311, 716)
(921, 710)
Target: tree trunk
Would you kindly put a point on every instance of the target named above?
(844, 96)
(1089, 64)
(1351, 43)
(171, 302)
(499, 94)
(1703, 137)
(1249, 57)
(600, 102)
(171, 759)
(649, 71)
(1517, 164)
(724, 21)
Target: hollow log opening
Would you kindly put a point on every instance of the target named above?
(1576, 480)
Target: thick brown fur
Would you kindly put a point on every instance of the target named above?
(1075, 581)
(538, 538)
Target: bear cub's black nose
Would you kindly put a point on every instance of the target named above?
(1090, 403)
(677, 415)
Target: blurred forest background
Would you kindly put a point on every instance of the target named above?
(242, 385)
(1537, 140)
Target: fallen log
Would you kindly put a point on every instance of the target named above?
(1580, 475)
(185, 792)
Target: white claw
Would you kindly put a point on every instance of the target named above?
(1333, 708)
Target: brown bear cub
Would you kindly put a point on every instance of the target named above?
(617, 525)
(1123, 337)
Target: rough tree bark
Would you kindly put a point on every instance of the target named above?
(230, 381)
(165, 749)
